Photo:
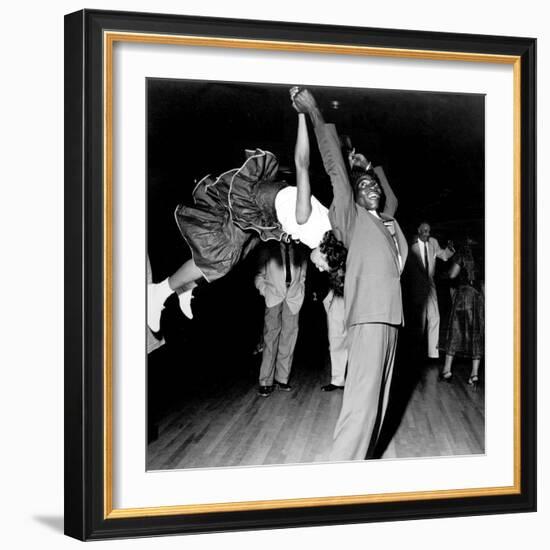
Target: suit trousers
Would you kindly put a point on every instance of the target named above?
(371, 349)
(432, 323)
(280, 335)
(424, 321)
(336, 325)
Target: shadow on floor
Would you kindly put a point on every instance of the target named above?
(55, 523)
(409, 363)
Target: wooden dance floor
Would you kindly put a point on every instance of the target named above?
(229, 424)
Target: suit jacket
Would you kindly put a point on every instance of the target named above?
(271, 277)
(372, 289)
(420, 280)
(434, 251)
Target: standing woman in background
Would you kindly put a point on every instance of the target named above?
(466, 329)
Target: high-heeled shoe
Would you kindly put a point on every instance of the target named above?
(445, 376)
(473, 381)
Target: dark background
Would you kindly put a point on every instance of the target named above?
(430, 144)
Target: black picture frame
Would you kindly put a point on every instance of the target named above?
(87, 495)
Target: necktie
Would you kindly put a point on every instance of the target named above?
(389, 225)
(288, 274)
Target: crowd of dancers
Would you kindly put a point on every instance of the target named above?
(358, 241)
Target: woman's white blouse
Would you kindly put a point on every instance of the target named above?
(309, 233)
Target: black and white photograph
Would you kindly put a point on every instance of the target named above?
(271, 275)
(315, 274)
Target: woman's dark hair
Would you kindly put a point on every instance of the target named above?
(336, 254)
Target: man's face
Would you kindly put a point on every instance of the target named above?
(368, 193)
(424, 232)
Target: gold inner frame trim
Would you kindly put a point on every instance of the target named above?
(109, 39)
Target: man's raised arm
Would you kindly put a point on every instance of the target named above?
(390, 206)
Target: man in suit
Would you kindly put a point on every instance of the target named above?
(422, 295)
(335, 253)
(377, 251)
(336, 328)
(281, 281)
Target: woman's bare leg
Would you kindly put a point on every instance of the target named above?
(474, 375)
(446, 373)
(184, 279)
(187, 273)
(475, 367)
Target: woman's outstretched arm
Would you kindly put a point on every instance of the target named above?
(301, 160)
(342, 210)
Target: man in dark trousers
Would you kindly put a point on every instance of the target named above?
(377, 250)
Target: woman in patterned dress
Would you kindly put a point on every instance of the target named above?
(466, 329)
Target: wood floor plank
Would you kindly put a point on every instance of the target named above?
(231, 425)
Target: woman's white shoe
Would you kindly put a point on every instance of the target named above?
(185, 303)
(156, 296)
